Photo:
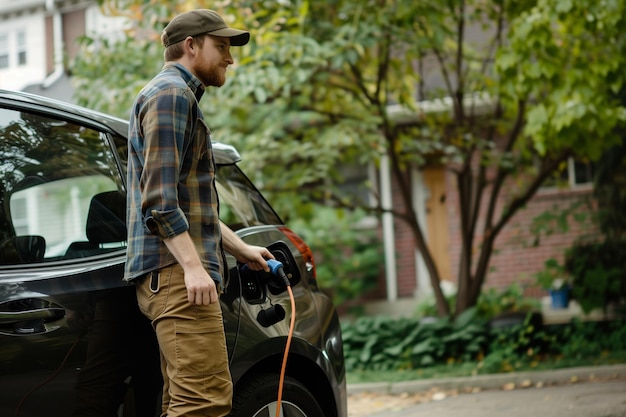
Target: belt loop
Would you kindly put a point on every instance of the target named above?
(154, 281)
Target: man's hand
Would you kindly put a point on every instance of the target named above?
(255, 257)
(201, 289)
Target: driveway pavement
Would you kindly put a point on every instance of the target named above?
(574, 392)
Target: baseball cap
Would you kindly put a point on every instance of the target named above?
(196, 22)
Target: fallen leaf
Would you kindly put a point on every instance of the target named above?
(526, 383)
(438, 396)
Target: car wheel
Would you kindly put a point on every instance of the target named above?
(258, 398)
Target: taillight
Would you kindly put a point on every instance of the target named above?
(304, 249)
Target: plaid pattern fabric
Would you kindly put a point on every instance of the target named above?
(171, 175)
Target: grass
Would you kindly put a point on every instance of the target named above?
(476, 368)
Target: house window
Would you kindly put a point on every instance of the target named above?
(21, 47)
(571, 174)
(580, 172)
(4, 50)
(20, 216)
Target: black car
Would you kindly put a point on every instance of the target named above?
(72, 340)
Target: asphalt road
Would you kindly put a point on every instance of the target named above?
(588, 399)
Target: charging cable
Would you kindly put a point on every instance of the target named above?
(276, 268)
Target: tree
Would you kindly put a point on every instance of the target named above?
(312, 92)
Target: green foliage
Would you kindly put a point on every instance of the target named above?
(559, 217)
(385, 344)
(491, 303)
(599, 273)
(553, 276)
(580, 339)
(511, 299)
(348, 256)
(470, 369)
(120, 69)
(549, 58)
(523, 342)
(381, 343)
(428, 307)
(610, 190)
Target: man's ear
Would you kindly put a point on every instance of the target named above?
(189, 45)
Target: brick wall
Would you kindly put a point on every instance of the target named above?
(516, 258)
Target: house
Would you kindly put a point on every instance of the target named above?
(38, 38)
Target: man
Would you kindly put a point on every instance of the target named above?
(175, 239)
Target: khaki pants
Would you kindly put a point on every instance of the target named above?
(194, 360)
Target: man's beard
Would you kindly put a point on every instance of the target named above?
(211, 76)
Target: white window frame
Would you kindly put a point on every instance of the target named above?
(571, 174)
(568, 177)
(20, 46)
(4, 51)
(20, 217)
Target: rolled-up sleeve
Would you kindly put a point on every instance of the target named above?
(164, 121)
(166, 224)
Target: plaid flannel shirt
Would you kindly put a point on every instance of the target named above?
(171, 175)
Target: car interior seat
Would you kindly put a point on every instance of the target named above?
(106, 223)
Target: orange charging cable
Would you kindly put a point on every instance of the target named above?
(292, 324)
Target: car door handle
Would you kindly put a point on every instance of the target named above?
(29, 316)
(46, 314)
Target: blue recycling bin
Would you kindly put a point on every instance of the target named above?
(559, 299)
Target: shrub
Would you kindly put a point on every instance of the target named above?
(491, 302)
(383, 343)
(525, 342)
(599, 273)
(386, 344)
(348, 258)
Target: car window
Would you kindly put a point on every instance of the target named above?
(241, 204)
(59, 191)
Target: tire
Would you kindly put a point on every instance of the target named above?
(258, 397)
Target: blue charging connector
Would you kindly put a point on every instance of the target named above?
(276, 269)
(275, 266)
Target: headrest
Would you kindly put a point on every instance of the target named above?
(30, 248)
(106, 220)
(22, 250)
